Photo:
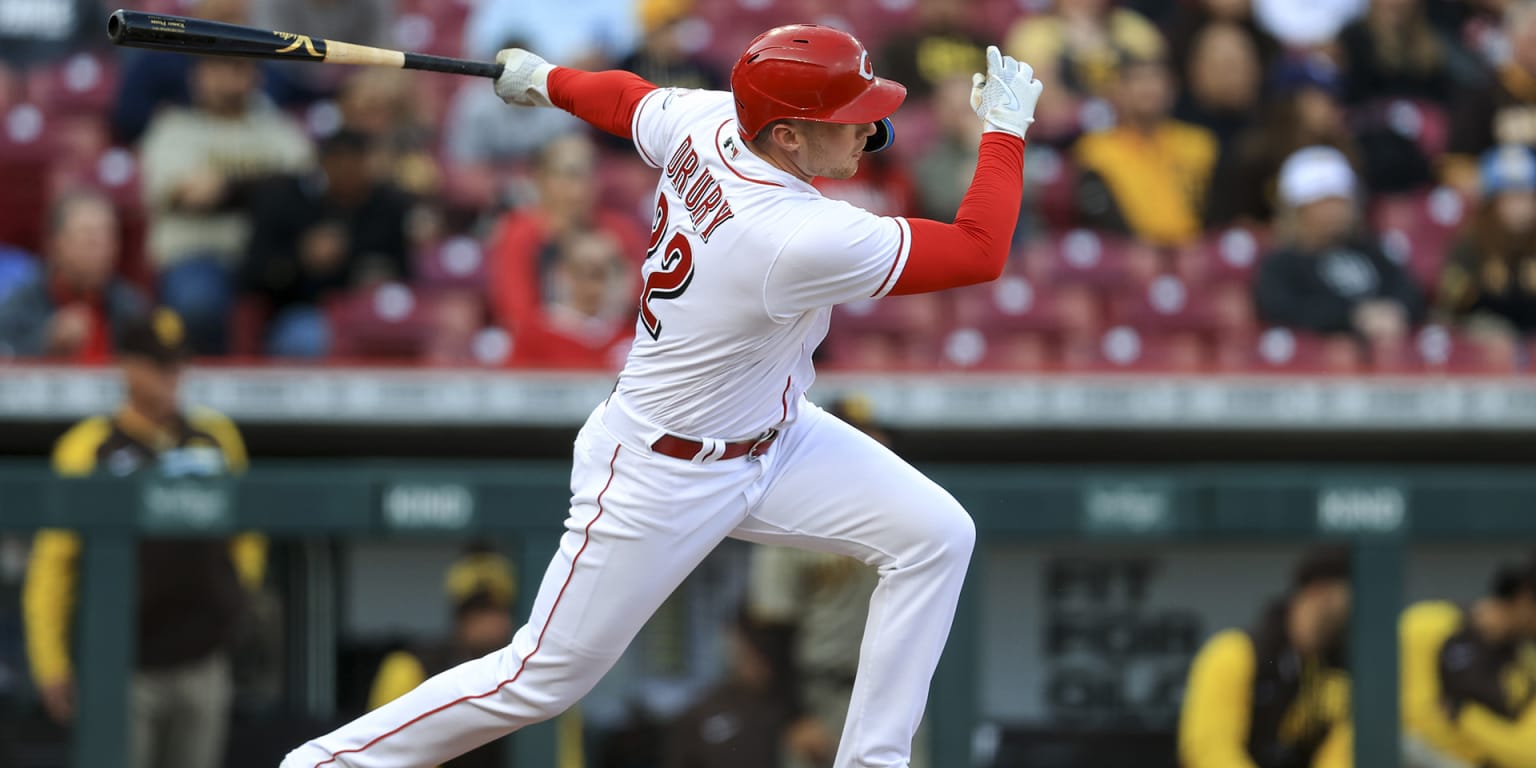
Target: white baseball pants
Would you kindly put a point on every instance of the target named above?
(639, 523)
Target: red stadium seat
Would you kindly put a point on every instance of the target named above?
(1230, 254)
(916, 315)
(1050, 182)
(1170, 304)
(1092, 258)
(248, 327)
(894, 333)
(1123, 348)
(1014, 302)
(975, 349)
(1438, 349)
(1417, 229)
(84, 83)
(873, 351)
(26, 154)
(998, 16)
(389, 321)
(458, 262)
(1281, 350)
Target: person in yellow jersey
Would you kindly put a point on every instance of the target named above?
(1277, 696)
(481, 588)
(1469, 678)
(191, 591)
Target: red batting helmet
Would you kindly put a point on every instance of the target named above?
(810, 72)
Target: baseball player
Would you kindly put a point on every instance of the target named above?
(708, 433)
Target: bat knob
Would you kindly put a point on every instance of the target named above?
(116, 26)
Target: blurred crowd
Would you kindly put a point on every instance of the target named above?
(1235, 185)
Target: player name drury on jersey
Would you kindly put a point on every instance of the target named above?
(704, 199)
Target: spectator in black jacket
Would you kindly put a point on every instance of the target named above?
(1393, 52)
(1328, 275)
(319, 234)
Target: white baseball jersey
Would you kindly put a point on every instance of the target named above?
(744, 264)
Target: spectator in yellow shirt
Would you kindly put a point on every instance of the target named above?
(1146, 176)
(1277, 696)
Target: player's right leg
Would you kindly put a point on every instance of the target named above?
(834, 489)
(639, 523)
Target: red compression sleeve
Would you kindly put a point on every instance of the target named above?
(974, 249)
(605, 99)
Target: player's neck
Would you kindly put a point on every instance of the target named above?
(779, 159)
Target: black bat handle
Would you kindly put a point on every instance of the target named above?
(431, 63)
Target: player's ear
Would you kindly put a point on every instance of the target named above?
(788, 134)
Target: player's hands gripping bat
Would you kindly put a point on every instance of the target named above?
(179, 34)
(1005, 96)
(524, 78)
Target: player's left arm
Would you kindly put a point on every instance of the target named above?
(974, 248)
(606, 100)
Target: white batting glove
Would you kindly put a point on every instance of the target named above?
(524, 78)
(1005, 96)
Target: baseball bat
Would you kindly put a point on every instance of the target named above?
(180, 34)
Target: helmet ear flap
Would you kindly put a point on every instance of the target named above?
(884, 136)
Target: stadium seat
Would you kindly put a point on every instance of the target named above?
(1050, 182)
(84, 83)
(1230, 254)
(1014, 302)
(975, 349)
(1417, 229)
(1123, 348)
(26, 153)
(1438, 349)
(1170, 304)
(458, 262)
(920, 314)
(897, 332)
(248, 320)
(390, 321)
(1092, 258)
(1282, 350)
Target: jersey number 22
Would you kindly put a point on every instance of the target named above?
(672, 274)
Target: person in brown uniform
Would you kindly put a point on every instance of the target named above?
(191, 591)
(1469, 678)
(1277, 696)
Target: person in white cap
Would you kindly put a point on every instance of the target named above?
(1306, 24)
(1328, 275)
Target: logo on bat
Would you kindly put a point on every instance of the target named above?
(298, 40)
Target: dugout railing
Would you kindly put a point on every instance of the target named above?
(1378, 509)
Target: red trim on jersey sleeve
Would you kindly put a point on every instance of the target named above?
(974, 249)
(607, 100)
(634, 129)
(901, 255)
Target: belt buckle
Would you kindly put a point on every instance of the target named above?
(753, 453)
